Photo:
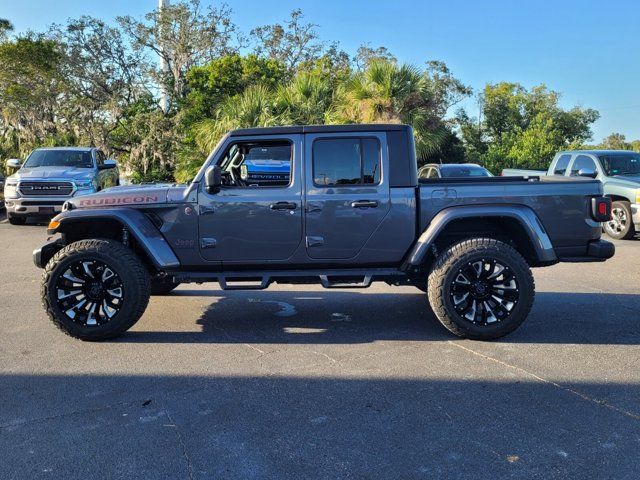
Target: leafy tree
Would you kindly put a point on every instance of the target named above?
(522, 128)
(102, 77)
(5, 27)
(366, 54)
(293, 43)
(30, 82)
(211, 84)
(183, 35)
(616, 141)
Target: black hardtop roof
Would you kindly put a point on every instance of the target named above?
(293, 129)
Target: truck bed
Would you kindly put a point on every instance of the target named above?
(561, 204)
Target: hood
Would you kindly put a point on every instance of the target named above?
(625, 181)
(49, 173)
(131, 195)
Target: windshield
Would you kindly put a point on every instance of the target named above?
(621, 164)
(463, 171)
(59, 158)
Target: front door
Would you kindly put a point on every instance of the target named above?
(347, 192)
(257, 215)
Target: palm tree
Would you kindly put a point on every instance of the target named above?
(251, 108)
(305, 100)
(390, 93)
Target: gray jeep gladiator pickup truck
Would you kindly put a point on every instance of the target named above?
(352, 212)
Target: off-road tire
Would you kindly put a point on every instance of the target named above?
(629, 230)
(129, 268)
(13, 220)
(445, 271)
(162, 286)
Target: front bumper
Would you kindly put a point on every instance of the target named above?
(635, 214)
(34, 206)
(597, 251)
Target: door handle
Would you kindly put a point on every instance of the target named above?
(283, 206)
(364, 204)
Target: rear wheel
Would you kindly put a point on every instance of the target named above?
(621, 224)
(481, 289)
(95, 289)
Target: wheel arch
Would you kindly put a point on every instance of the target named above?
(618, 198)
(517, 224)
(111, 223)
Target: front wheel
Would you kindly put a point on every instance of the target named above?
(620, 226)
(95, 289)
(13, 220)
(481, 289)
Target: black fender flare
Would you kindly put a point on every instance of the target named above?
(524, 215)
(139, 226)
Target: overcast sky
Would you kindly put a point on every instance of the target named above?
(587, 50)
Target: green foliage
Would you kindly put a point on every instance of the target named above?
(211, 84)
(522, 128)
(90, 83)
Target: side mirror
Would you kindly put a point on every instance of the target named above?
(108, 164)
(587, 172)
(14, 163)
(213, 179)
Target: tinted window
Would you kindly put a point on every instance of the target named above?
(583, 162)
(561, 165)
(433, 173)
(621, 164)
(59, 158)
(100, 158)
(346, 161)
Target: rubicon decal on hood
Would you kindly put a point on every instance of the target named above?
(119, 200)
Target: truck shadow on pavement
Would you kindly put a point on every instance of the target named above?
(351, 317)
(275, 427)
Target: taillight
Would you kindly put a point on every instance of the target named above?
(601, 209)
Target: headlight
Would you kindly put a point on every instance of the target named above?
(84, 183)
(84, 187)
(10, 189)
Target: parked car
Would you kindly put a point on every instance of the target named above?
(1, 190)
(50, 176)
(619, 172)
(452, 170)
(353, 212)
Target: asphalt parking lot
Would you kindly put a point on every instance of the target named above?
(305, 383)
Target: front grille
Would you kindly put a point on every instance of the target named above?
(43, 203)
(34, 189)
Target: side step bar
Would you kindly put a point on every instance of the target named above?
(252, 280)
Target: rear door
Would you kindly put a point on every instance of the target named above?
(347, 192)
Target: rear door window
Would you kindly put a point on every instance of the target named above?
(346, 161)
(561, 165)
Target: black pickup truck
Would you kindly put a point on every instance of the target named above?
(350, 212)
